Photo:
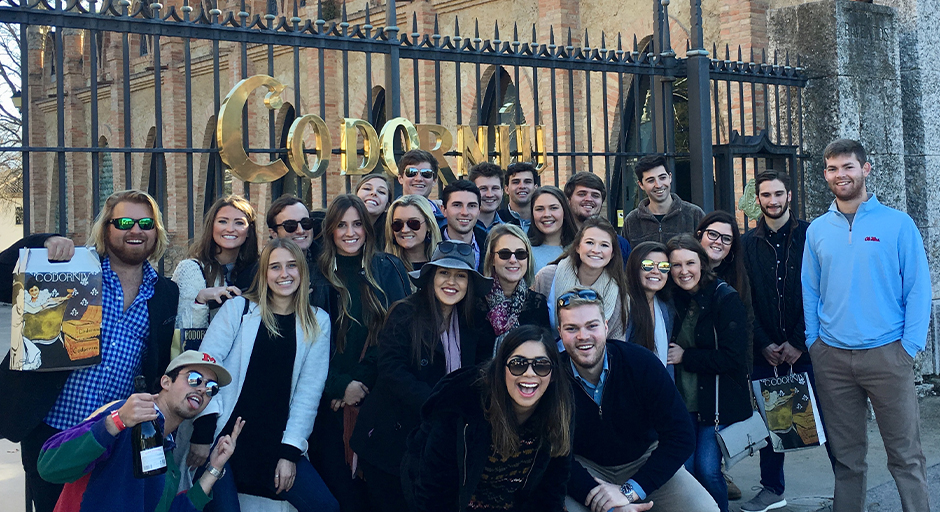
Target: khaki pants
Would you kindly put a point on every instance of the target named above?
(682, 493)
(884, 375)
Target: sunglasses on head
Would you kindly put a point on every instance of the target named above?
(427, 174)
(413, 224)
(566, 298)
(714, 235)
(649, 265)
(127, 223)
(505, 254)
(518, 365)
(447, 247)
(291, 225)
(195, 379)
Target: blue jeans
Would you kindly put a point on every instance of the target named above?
(705, 462)
(771, 462)
(308, 493)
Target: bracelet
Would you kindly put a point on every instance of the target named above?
(200, 303)
(116, 418)
(215, 472)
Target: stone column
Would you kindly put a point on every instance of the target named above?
(851, 54)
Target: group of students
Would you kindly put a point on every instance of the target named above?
(339, 370)
(422, 372)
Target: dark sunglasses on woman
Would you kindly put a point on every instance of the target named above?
(291, 225)
(505, 254)
(413, 224)
(518, 365)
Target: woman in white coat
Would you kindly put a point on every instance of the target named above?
(276, 346)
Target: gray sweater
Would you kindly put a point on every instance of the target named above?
(641, 226)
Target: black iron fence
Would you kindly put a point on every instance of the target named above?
(93, 73)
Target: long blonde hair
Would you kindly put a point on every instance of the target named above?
(99, 230)
(260, 294)
(434, 233)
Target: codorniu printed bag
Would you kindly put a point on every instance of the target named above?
(789, 407)
(742, 439)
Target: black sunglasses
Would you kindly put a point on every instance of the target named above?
(565, 300)
(448, 247)
(505, 254)
(518, 365)
(127, 223)
(195, 379)
(648, 265)
(411, 172)
(714, 235)
(413, 224)
(291, 225)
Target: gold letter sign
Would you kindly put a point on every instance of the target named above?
(229, 133)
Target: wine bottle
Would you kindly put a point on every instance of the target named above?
(149, 458)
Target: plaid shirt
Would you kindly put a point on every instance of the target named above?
(123, 341)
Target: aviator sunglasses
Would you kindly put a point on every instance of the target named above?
(127, 223)
(648, 265)
(195, 379)
(518, 365)
(565, 300)
(413, 224)
(505, 254)
(427, 174)
(291, 225)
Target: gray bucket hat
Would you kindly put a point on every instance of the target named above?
(457, 255)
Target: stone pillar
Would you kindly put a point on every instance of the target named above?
(850, 51)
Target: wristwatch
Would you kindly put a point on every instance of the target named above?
(215, 472)
(627, 490)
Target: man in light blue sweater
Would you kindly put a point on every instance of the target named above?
(866, 300)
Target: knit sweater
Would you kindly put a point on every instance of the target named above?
(98, 472)
(641, 225)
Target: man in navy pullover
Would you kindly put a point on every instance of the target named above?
(866, 301)
(632, 431)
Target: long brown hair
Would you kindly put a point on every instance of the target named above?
(644, 326)
(614, 267)
(690, 243)
(427, 325)
(373, 309)
(552, 416)
(205, 250)
(569, 227)
(260, 293)
(731, 269)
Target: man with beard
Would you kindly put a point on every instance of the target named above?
(521, 181)
(586, 194)
(138, 316)
(461, 209)
(95, 458)
(662, 215)
(866, 303)
(773, 255)
(632, 431)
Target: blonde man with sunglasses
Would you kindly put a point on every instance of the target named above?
(632, 431)
(138, 312)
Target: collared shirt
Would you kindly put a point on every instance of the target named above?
(473, 244)
(523, 223)
(496, 221)
(778, 240)
(595, 392)
(123, 341)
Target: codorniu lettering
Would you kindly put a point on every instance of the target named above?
(378, 147)
(60, 277)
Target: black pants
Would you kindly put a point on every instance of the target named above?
(328, 456)
(44, 494)
(385, 493)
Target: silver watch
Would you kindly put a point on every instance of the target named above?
(627, 490)
(215, 472)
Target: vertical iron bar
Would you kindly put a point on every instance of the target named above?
(590, 134)
(188, 79)
(243, 14)
(60, 120)
(571, 137)
(392, 69)
(158, 157)
(126, 72)
(295, 21)
(321, 64)
(24, 113)
(606, 131)
(345, 32)
(801, 162)
(717, 122)
(95, 156)
(777, 110)
(789, 117)
(702, 164)
(554, 96)
(217, 101)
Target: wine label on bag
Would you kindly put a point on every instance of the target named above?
(153, 458)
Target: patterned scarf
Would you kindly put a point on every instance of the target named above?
(504, 311)
(566, 278)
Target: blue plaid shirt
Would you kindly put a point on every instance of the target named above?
(123, 342)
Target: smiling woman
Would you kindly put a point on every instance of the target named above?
(496, 436)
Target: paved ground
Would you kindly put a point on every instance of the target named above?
(809, 477)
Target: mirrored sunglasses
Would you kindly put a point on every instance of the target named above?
(518, 365)
(127, 223)
(649, 265)
(566, 298)
(195, 379)
(411, 172)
